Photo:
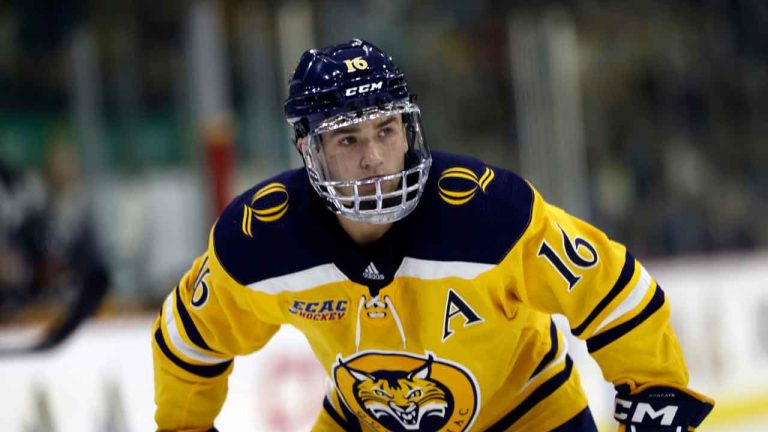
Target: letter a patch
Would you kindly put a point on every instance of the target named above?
(455, 305)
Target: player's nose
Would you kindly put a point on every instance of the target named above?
(373, 155)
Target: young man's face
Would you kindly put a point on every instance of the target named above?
(369, 149)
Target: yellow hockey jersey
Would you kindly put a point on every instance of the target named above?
(442, 325)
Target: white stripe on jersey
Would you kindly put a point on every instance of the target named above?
(428, 269)
(633, 299)
(300, 281)
(177, 341)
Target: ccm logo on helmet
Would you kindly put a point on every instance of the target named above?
(667, 413)
(365, 88)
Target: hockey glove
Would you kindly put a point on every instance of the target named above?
(659, 408)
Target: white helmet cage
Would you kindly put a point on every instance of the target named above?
(345, 197)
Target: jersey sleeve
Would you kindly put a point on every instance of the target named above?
(205, 322)
(566, 266)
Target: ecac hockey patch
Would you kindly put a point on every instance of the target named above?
(324, 310)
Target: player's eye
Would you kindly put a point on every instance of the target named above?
(347, 140)
(385, 132)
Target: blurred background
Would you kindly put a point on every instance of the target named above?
(125, 126)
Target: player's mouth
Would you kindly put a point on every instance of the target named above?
(367, 189)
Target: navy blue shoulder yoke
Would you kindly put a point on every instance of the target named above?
(267, 231)
(470, 211)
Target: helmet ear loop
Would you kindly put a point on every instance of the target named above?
(302, 146)
(410, 135)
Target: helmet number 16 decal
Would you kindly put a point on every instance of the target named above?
(357, 63)
(571, 249)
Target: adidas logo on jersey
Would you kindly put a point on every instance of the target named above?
(371, 272)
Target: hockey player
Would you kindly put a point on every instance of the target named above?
(426, 290)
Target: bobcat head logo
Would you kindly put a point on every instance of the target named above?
(427, 394)
(403, 401)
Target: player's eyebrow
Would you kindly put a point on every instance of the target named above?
(386, 121)
(345, 130)
(356, 128)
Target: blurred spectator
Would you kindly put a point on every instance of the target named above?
(15, 272)
(55, 248)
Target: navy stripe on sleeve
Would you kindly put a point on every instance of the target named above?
(534, 398)
(624, 277)
(550, 355)
(581, 422)
(207, 371)
(596, 342)
(189, 326)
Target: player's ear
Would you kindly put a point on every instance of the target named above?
(300, 144)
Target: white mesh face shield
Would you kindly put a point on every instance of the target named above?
(370, 165)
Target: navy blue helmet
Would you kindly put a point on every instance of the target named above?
(339, 79)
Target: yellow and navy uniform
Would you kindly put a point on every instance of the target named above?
(443, 324)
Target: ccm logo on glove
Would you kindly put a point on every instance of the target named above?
(667, 413)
